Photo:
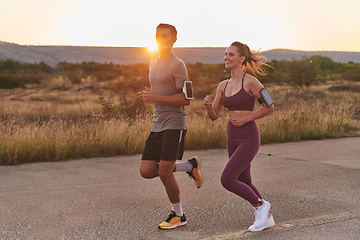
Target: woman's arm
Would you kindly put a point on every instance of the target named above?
(213, 107)
(255, 86)
(260, 113)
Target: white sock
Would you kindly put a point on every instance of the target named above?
(176, 207)
(183, 166)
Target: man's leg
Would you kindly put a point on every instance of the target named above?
(149, 169)
(166, 173)
(149, 165)
(165, 145)
(192, 168)
(177, 217)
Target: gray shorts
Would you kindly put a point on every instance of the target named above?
(166, 145)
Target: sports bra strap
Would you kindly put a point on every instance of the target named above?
(226, 84)
(242, 84)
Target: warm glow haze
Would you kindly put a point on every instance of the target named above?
(300, 25)
(151, 47)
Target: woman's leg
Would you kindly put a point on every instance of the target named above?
(236, 176)
(245, 177)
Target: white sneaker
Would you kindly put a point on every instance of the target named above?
(261, 214)
(268, 223)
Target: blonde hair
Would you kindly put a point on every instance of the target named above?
(253, 61)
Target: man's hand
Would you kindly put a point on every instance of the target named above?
(140, 95)
(147, 95)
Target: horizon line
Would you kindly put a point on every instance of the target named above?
(97, 46)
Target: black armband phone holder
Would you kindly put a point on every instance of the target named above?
(265, 97)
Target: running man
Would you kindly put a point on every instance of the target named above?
(165, 144)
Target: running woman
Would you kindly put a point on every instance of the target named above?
(238, 94)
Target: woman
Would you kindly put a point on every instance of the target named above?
(238, 94)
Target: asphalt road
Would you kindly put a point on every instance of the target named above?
(313, 186)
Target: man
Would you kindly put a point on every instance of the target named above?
(165, 143)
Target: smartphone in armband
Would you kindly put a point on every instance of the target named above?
(266, 97)
(187, 90)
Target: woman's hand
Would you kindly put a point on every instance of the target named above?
(208, 101)
(238, 121)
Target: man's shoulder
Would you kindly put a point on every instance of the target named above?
(154, 61)
(176, 61)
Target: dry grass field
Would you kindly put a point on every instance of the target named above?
(57, 120)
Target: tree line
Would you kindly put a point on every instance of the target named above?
(310, 70)
(303, 73)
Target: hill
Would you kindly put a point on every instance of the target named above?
(336, 56)
(51, 55)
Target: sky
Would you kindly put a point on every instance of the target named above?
(309, 25)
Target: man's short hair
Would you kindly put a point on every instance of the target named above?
(171, 27)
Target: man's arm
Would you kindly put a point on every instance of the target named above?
(148, 95)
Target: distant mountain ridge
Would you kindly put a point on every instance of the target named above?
(52, 55)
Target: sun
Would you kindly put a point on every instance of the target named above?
(152, 47)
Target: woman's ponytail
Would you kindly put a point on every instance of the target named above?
(253, 61)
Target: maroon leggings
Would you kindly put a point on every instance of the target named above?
(242, 144)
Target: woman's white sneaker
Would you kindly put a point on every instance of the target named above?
(268, 223)
(261, 213)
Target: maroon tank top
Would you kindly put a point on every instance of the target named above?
(240, 100)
